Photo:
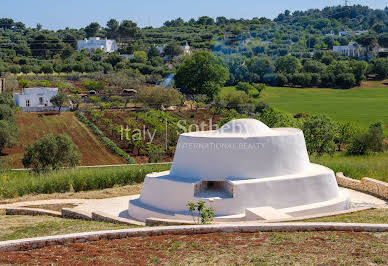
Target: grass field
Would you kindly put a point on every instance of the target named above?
(15, 184)
(373, 166)
(33, 127)
(363, 105)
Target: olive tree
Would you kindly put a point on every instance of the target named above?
(158, 96)
(201, 74)
(59, 100)
(51, 153)
(320, 132)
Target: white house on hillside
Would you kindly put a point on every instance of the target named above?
(357, 32)
(353, 49)
(94, 43)
(35, 99)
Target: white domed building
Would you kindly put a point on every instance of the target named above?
(245, 171)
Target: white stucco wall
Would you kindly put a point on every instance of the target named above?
(255, 151)
(262, 167)
(94, 43)
(34, 95)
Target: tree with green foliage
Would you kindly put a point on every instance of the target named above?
(8, 127)
(320, 133)
(380, 67)
(153, 52)
(92, 29)
(258, 67)
(345, 80)
(8, 134)
(366, 142)
(201, 74)
(24, 83)
(288, 64)
(157, 97)
(346, 132)
(51, 153)
(172, 49)
(59, 100)
(76, 100)
(112, 28)
(128, 30)
(377, 137)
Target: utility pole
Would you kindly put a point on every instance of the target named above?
(346, 2)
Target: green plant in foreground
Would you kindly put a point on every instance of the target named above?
(204, 215)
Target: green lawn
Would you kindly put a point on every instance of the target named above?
(362, 105)
(373, 166)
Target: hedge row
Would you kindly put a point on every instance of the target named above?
(19, 183)
(108, 142)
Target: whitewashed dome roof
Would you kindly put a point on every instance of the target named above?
(245, 127)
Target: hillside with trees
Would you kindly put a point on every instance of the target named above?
(253, 50)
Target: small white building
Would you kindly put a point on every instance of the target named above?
(353, 49)
(349, 33)
(245, 171)
(94, 43)
(186, 49)
(34, 99)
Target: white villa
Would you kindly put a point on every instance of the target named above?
(352, 49)
(94, 43)
(35, 99)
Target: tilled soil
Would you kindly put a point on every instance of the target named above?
(328, 248)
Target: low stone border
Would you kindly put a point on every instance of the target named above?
(159, 222)
(72, 214)
(40, 242)
(103, 217)
(31, 211)
(372, 186)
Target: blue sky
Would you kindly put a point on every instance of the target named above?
(56, 14)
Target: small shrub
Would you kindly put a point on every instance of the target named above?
(201, 214)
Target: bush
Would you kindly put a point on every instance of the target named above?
(281, 80)
(93, 85)
(345, 80)
(366, 142)
(320, 132)
(51, 153)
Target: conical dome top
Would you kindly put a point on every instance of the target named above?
(245, 127)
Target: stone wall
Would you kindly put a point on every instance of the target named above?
(369, 185)
(40, 242)
(31, 211)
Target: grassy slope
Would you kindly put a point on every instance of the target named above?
(363, 105)
(373, 166)
(17, 227)
(32, 128)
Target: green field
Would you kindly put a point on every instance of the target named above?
(362, 105)
(373, 166)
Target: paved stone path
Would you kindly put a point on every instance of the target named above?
(43, 202)
(118, 206)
